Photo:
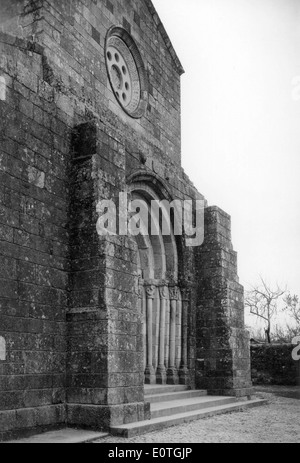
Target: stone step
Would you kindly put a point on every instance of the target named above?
(180, 395)
(155, 424)
(188, 405)
(156, 389)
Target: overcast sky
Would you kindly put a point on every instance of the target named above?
(241, 122)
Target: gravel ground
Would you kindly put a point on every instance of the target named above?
(277, 422)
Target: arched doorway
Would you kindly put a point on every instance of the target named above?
(162, 308)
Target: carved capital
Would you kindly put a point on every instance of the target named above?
(163, 292)
(150, 291)
(174, 293)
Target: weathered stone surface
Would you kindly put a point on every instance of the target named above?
(222, 342)
(70, 313)
(25, 420)
(273, 364)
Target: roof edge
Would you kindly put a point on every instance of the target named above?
(165, 36)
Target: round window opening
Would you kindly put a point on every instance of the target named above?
(126, 72)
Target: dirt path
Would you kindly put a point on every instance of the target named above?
(277, 422)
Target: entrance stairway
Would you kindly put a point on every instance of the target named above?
(174, 405)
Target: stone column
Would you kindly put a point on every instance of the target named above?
(172, 374)
(167, 333)
(178, 332)
(161, 374)
(149, 372)
(142, 299)
(184, 372)
(156, 311)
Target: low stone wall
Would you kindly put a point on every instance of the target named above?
(273, 364)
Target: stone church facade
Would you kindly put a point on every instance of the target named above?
(90, 107)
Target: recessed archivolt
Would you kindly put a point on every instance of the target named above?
(157, 253)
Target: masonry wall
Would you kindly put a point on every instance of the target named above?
(74, 33)
(223, 353)
(33, 242)
(105, 350)
(273, 364)
(69, 318)
(106, 372)
(67, 337)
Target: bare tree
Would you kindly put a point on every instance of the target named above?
(263, 302)
(284, 335)
(292, 307)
